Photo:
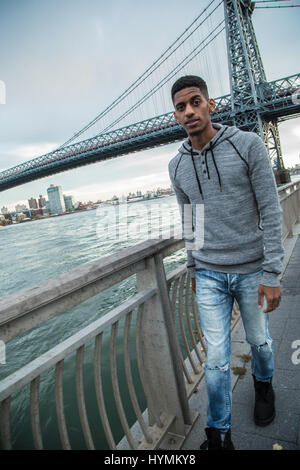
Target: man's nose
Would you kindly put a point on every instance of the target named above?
(189, 110)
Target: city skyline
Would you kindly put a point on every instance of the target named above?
(132, 193)
(110, 54)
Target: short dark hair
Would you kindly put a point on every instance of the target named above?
(188, 81)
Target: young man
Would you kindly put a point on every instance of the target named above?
(227, 172)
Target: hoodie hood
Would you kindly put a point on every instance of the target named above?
(224, 134)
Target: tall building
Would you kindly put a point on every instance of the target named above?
(42, 201)
(69, 202)
(4, 210)
(32, 203)
(56, 199)
(47, 207)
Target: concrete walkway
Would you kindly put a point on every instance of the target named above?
(284, 328)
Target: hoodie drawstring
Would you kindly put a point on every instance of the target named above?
(206, 165)
(209, 149)
(217, 170)
(197, 177)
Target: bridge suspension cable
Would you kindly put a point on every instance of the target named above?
(279, 6)
(169, 76)
(275, 6)
(271, 1)
(170, 51)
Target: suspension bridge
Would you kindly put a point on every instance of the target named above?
(156, 329)
(253, 104)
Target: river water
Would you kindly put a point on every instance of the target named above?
(35, 251)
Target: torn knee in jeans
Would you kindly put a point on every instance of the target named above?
(266, 346)
(223, 368)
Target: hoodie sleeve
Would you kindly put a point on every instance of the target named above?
(183, 199)
(265, 190)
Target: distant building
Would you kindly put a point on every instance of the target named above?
(115, 200)
(20, 216)
(32, 203)
(35, 213)
(165, 191)
(20, 207)
(5, 221)
(42, 201)
(56, 199)
(47, 206)
(4, 210)
(69, 202)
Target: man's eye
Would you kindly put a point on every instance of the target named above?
(196, 102)
(180, 108)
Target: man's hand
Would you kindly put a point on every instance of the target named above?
(194, 284)
(273, 297)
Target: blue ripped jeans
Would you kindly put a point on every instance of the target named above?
(215, 294)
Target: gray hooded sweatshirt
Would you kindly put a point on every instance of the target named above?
(232, 181)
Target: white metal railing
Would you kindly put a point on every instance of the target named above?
(290, 203)
(166, 349)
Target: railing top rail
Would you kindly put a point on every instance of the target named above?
(288, 185)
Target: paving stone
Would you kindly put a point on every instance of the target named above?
(284, 426)
(246, 441)
(292, 330)
(276, 352)
(298, 435)
(288, 399)
(286, 379)
(294, 307)
(285, 356)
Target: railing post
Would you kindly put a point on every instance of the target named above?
(297, 201)
(165, 387)
(287, 224)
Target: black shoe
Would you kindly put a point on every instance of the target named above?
(214, 440)
(264, 409)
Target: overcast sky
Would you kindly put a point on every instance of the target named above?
(63, 61)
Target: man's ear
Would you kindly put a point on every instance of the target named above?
(211, 105)
(175, 117)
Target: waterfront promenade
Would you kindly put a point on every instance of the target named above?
(150, 344)
(284, 328)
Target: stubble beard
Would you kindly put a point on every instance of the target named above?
(195, 133)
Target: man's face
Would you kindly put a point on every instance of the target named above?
(192, 110)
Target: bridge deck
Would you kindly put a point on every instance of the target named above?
(284, 329)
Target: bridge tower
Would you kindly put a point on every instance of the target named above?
(249, 86)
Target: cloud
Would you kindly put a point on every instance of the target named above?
(12, 156)
(289, 132)
(105, 190)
